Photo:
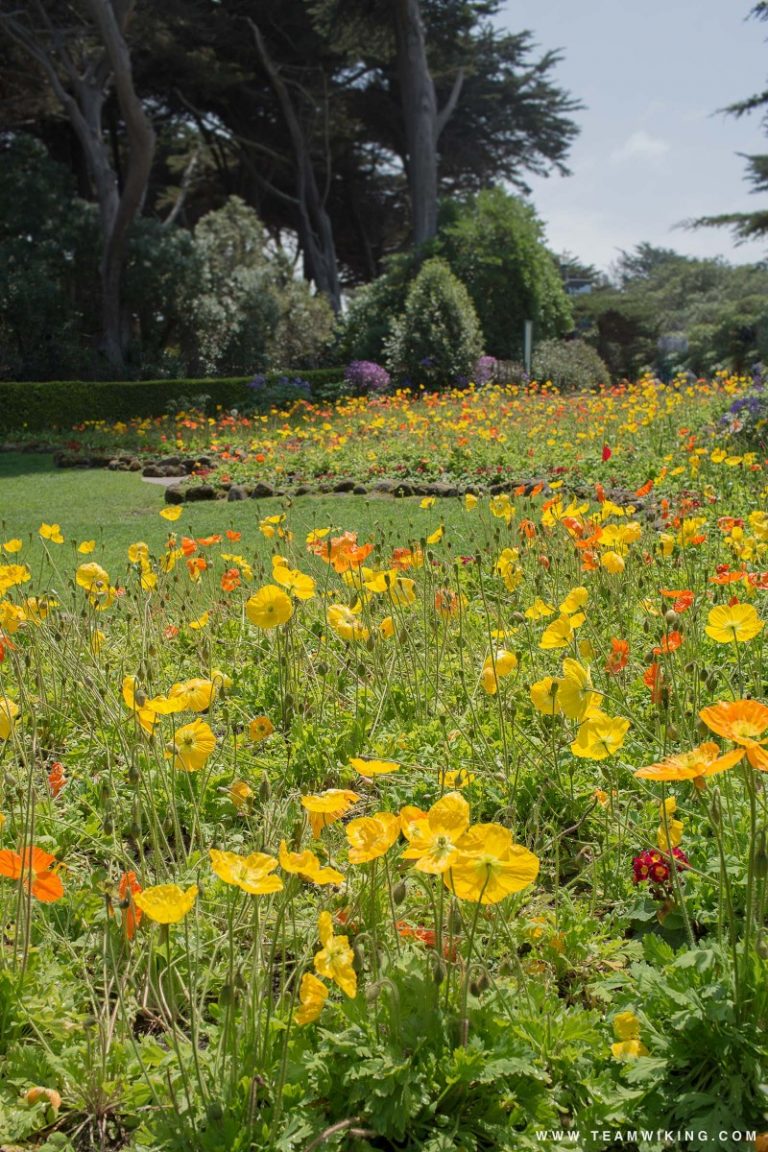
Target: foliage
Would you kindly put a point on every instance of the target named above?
(669, 312)
(249, 312)
(494, 243)
(438, 336)
(569, 364)
(747, 225)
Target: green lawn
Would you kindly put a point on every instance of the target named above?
(118, 508)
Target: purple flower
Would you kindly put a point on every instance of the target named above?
(365, 376)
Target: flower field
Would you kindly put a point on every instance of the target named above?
(314, 837)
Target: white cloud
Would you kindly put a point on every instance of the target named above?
(640, 146)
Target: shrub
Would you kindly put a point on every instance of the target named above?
(495, 245)
(569, 364)
(39, 407)
(437, 339)
(364, 376)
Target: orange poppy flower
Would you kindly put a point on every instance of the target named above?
(207, 541)
(702, 761)
(188, 545)
(669, 643)
(128, 888)
(232, 535)
(744, 722)
(653, 678)
(682, 598)
(56, 778)
(34, 871)
(618, 656)
(230, 580)
(644, 489)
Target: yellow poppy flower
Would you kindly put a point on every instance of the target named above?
(327, 807)
(312, 995)
(165, 903)
(576, 696)
(387, 628)
(575, 600)
(172, 512)
(138, 552)
(371, 836)
(192, 746)
(626, 1028)
(733, 624)
(260, 728)
(240, 793)
(200, 623)
(539, 610)
(307, 865)
(613, 563)
(251, 873)
(599, 737)
(335, 959)
(346, 623)
(433, 841)
(544, 696)
(470, 501)
(302, 586)
(502, 663)
(269, 607)
(11, 546)
(51, 532)
(92, 577)
(11, 617)
(9, 710)
(370, 768)
(489, 865)
(436, 536)
(194, 695)
(428, 502)
(560, 632)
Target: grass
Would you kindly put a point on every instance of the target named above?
(118, 508)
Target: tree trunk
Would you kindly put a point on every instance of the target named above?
(422, 122)
(419, 106)
(82, 93)
(315, 228)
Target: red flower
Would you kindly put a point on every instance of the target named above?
(607, 453)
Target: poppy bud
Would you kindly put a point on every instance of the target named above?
(373, 991)
(265, 790)
(672, 733)
(321, 668)
(481, 983)
(455, 922)
(399, 892)
(439, 971)
(358, 962)
(133, 774)
(761, 947)
(671, 617)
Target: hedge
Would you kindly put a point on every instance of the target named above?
(32, 407)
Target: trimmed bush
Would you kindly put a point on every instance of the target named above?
(437, 340)
(569, 364)
(64, 404)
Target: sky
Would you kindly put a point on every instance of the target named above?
(653, 150)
